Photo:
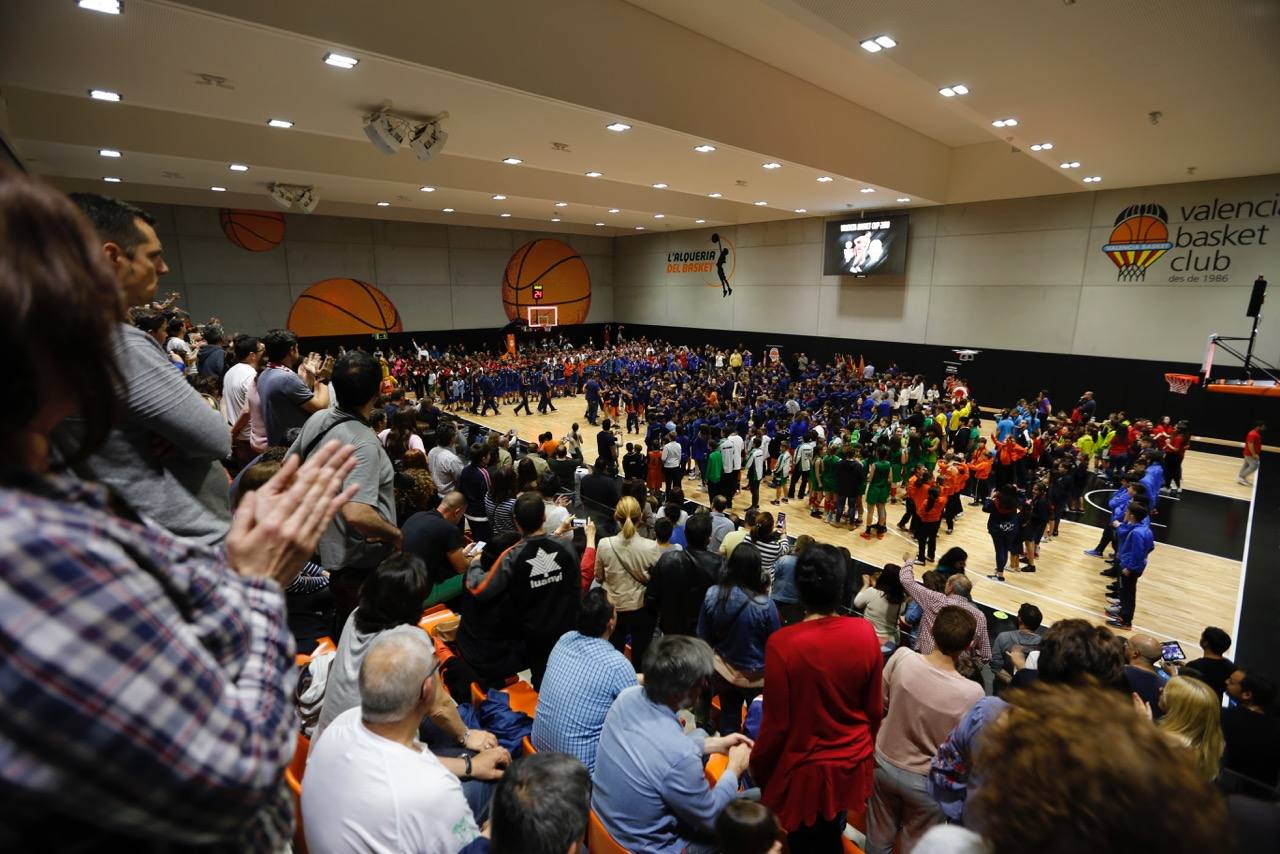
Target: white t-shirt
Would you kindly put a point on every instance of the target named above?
(235, 393)
(365, 793)
(415, 441)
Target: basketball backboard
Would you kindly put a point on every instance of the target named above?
(543, 316)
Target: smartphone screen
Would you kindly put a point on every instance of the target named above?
(579, 523)
(781, 524)
(1172, 651)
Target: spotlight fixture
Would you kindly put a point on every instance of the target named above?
(771, 165)
(238, 167)
(428, 139)
(618, 127)
(280, 123)
(801, 210)
(639, 228)
(659, 186)
(704, 148)
(1005, 123)
(384, 204)
(878, 43)
(504, 215)
(104, 95)
(109, 7)
(904, 199)
(659, 216)
(593, 174)
(1093, 179)
(953, 90)
(446, 210)
(1074, 164)
(715, 195)
(699, 221)
(426, 189)
(111, 179)
(512, 161)
(562, 204)
(108, 152)
(599, 224)
(614, 210)
(867, 190)
(1042, 146)
(218, 189)
(825, 179)
(288, 195)
(760, 204)
(555, 219)
(499, 198)
(338, 60)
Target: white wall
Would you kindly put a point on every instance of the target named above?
(439, 277)
(1021, 274)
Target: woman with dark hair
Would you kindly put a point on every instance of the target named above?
(736, 620)
(929, 510)
(813, 756)
(878, 482)
(402, 435)
(883, 605)
(500, 503)
(474, 482)
(1033, 521)
(1002, 525)
(771, 546)
(526, 476)
(953, 560)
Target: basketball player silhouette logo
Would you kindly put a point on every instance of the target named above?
(721, 258)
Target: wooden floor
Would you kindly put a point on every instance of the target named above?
(1181, 592)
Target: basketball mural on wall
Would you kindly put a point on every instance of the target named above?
(255, 231)
(1139, 238)
(343, 307)
(544, 273)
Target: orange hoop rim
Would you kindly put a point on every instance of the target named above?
(1181, 383)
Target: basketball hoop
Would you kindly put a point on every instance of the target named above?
(1181, 383)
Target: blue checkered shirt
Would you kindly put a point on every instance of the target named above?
(147, 687)
(584, 676)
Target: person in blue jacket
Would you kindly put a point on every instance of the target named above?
(1134, 543)
(1116, 505)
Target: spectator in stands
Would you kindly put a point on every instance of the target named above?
(287, 398)
(934, 580)
(473, 482)
(770, 542)
(749, 827)
(783, 590)
(956, 591)
(236, 382)
(1141, 654)
(813, 756)
(737, 619)
(623, 562)
(176, 733)
(1212, 667)
(584, 676)
(540, 807)
(1193, 720)
(1027, 635)
(883, 603)
(721, 524)
(520, 604)
(1072, 652)
(556, 506)
(679, 580)
(163, 456)
(433, 536)
(211, 359)
(370, 783)
(650, 792)
(1084, 793)
(1252, 733)
(600, 496)
(445, 466)
(926, 697)
(500, 502)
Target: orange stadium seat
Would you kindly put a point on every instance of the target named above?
(598, 839)
(293, 778)
(520, 696)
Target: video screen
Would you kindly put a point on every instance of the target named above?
(873, 246)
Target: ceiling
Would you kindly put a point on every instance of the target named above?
(762, 80)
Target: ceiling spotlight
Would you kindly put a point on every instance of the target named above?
(1093, 179)
(384, 204)
(446, 210)
(614, 210)
(110, 7)
(618, 127)
(639, 228)
(599, 224)
(1074, 164)
(499, 198)
(867, 190)
(338, 60)
(704, 148)
(947, 92)
(288, 195)
(1042, 146)
(593, 174)
(104, 95)
(714, 195)
(699, 221)
(885, 42)
(1005, 123)
(659, 186)
(825, 179)
(760, 204)
(108, 152)
(870, 46)
(904, 199)
(960, 89)
(801, 210)
(562, 204)
(659, 216)
(427, 140)
(426, 189)
(555, 219)
(771, 165)
(238, 167)
(504, 214)
(512, 161)
(218, 189)
(280, 123)
(111, 180)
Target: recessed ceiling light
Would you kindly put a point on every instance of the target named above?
(104, 95)
(659, 216)
(384, 204)
(870, 46)
(426, 189)
(1005, 123)
(218, 189)
(562, 204)
(1074, 164)
(339, 60)
(801, 210)
(446, 210)
(639, 228)
(555, 219)
(825, 179)
(280, 123)
(771, 165)
(1042, 146)
(504, 214)
(699, 221)
(947, 92)
(704, 148)
(960, 89)
(904, 199)
(953, 90)
(108, 152)
(714, 195)
(111, 180)
(614, 210)
(1093, 180)
(110, 7)
(499, 198)
(761, 204)
(238, 167)
(885, 41)
(618, 127)
(593, 174)
(598, 224)
(659, 186)
(867, 190)
(512, 161)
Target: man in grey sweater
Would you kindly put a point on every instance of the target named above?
(1027, 636)
(164, 456)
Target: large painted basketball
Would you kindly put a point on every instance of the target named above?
(343, 307)
(543, 273)
(256, 231)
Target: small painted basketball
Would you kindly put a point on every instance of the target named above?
(256, 231)
(1139, 229)
(554, 273)
(343, 307)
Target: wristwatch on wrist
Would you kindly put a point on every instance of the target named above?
(466, 775)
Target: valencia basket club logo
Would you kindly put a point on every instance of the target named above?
(1139, 238)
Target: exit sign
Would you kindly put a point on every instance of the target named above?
(379, 336)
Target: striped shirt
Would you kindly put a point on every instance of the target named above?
(501, 516)
(769, 552)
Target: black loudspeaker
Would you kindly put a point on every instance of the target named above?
(1255, 299)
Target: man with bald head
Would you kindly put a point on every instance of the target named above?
(371, 785)
(1141, 654)
(434, 536)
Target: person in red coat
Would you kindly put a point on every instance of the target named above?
(813, 757)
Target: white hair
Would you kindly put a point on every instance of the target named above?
(392, 674)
